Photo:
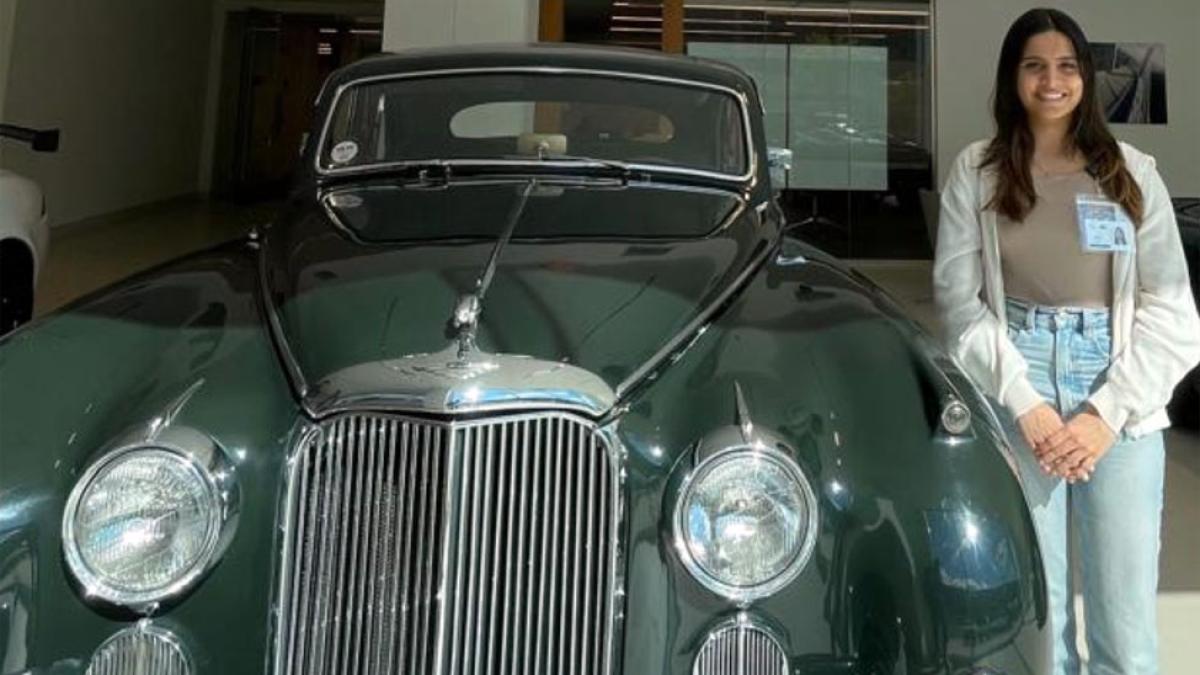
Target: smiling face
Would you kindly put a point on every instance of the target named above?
(1048, 78)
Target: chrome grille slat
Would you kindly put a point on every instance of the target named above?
(403, 544)
(483, 568)
(430, 509)
(589, 480)
(459, 565)
(569, 559)
(471, 604)
(555, 492)
(340, 458)
(517, 462)
(370, 550)
(605, 559)
(353, 597)
(577, 545)
(503, 456)
(387, 507)
(531, 607)
(296, 602)
(474, 548)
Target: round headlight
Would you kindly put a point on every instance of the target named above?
(746, 522)
(144, 523)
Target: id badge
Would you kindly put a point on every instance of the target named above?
(1103, 225)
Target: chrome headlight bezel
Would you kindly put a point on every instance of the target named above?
(739, 452)
(208, 464)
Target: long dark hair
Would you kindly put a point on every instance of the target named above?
(1011, 150)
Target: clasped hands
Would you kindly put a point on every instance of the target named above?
(1068, 449)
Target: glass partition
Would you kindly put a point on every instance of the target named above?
(846, 85)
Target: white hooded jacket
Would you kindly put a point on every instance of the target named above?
(1155, 325)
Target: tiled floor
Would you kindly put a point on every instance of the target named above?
(91, 254)
(87, 256)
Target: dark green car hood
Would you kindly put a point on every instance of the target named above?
(378, 280)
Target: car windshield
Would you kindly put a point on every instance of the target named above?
(535, 116)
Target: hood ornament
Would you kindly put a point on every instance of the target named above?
(464, 322)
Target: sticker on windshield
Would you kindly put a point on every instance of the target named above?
(344, 152)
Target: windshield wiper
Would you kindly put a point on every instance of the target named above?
(441, 173)
(610, 164)
(465, 320)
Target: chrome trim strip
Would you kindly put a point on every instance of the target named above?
(698, 325)
(338, 222)
(744, 422)
(740, 97)
(286, 605)
(275, 328)
(206, 460)
(448, 382)
(614, 592)
(450, 515)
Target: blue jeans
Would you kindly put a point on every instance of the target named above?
(1117, 513)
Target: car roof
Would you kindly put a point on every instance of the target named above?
(550, 55)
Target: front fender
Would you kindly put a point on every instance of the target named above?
(834, 370)
(74, 381)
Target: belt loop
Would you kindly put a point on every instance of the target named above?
(1030, 316)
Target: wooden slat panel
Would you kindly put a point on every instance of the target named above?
(551, 24)
(672, 26)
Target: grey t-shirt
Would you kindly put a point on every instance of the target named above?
(1042, 258)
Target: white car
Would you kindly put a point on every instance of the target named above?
(24, 236)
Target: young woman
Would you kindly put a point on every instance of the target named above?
(1062, 288)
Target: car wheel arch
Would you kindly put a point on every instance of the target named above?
(17, 263)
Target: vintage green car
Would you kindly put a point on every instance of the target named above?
(529, 376)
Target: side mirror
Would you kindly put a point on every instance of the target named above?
(779, 160)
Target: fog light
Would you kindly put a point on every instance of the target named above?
(144, 649)
(956, 417)
(741, 648)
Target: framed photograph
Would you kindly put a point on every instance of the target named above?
(1131, 81)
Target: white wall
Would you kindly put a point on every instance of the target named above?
(125, 81)
(969, 33)
(422, 23)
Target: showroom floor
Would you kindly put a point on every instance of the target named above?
(87, 256)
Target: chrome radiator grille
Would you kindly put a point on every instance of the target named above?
(419, 547)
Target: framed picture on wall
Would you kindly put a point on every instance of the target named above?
(1131, 81)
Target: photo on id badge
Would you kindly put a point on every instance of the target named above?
(1103, 225)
